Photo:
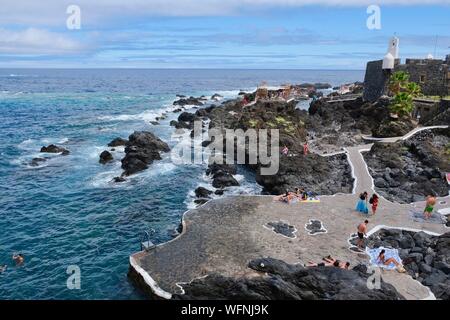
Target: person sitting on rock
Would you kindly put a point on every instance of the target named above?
(382, 260)
(430, 202)
(285, 151)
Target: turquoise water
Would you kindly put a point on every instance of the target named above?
(66, 211)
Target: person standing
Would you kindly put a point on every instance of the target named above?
(374, 202)
(430, 202)
(305, 148)
(362, 231)
(361, 205)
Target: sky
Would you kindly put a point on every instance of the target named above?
(231, 34)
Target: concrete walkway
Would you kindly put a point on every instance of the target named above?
(223, 235)
(405, 137)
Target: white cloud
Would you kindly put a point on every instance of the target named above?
(53, 12)
(36, 41)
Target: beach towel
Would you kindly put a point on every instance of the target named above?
(389, 253)
(419, 217)
(311, 199)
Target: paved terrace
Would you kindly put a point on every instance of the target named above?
(225, 234)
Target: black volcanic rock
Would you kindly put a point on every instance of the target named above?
(54, 149)
(407, 171)
(105, 157)
(201, 192)
(187, 117)
(117, 142)
(142, 149)
(37, 161)
(282, 281)
(223, 180)
(188, 101)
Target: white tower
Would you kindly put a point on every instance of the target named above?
(392, 54)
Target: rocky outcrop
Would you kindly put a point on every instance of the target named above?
(105, 157)
(425, 257)
(188, 101)
(141, 150)
(35, 162)
(116, 142)
(222, 175)
(394, 127)
(319, 175)
(54, 149)
(324, 175)
(408, 171)
(333, 125)
(216, 97)
(278, 280)
(202, 192)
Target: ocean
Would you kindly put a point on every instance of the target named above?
(66, 211)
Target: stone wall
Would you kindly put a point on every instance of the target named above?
(433, 75)
(375, 80)
(425, 109)
(430, 74)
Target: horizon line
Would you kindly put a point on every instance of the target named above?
(138, 68)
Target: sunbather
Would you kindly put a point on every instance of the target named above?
(287, 197)
(382, 259)
(342, 265)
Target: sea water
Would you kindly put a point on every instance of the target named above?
(66, 211)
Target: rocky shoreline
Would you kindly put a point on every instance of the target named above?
(276, 280)
(408, 171)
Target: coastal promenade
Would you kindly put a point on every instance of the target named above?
(223, 235)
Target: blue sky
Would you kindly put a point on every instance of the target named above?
(280, 34)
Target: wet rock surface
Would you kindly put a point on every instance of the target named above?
(407, 171)
(54, 149)
(105, 157)
(141, 150)
(116, 142)
(289, 282)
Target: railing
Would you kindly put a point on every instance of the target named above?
(146, 243)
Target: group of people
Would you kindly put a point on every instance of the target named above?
(363, 201)
(285, 150)
(18, 258)
(362, 232)
(299, 194)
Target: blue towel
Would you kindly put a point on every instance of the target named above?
(390, 253)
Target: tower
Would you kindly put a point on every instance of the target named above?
(391, 55)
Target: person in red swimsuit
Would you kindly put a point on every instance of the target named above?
(374, 202)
